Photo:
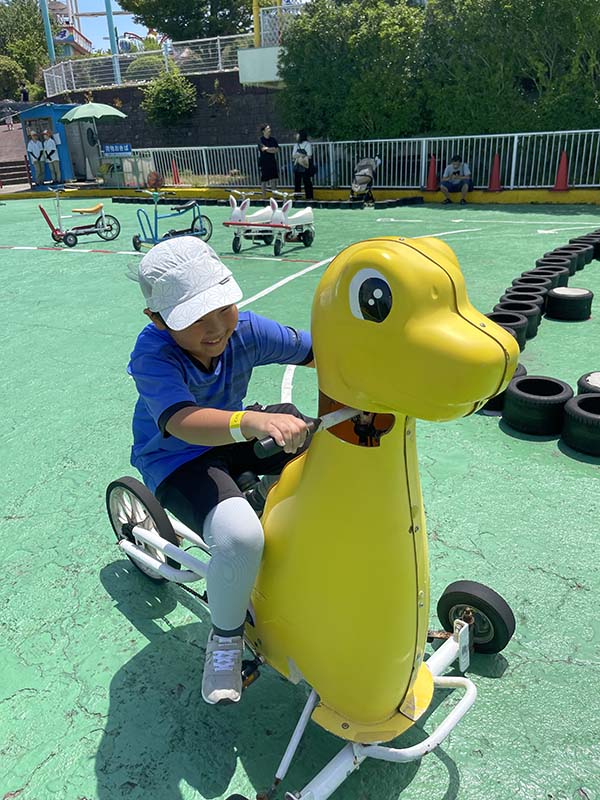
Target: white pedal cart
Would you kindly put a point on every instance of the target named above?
(300, 227)
(252, 227)
(473, 616)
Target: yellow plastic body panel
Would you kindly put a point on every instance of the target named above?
(342, 596)
(93, 210)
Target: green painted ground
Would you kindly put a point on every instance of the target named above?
(100, 671)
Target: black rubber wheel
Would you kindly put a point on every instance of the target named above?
(568, 303)
(494, 621)
(277, 246)
(589, 383)
(565, 252)
(584, 248)
(308, 237)
(581, 428)
(531, 312)
(137, 243)
(538, 282)
(70, 239)
(591, 239)
(496, 403)
(268, 239)
(554, 261)
(554, 272)
(524, 297)
(535, 404)
(56, 237)
(512, 320)
(130, 503)
(236, 244)
(108, 230)
(541, 291)
(207, 227)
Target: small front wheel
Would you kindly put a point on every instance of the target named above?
(203, 227)
(130, 504)
(70, 239)
(137, 243)
(108, 227)
(56, 237)
(308, 237)
(494, 622)
(277, 246)
(236, 244)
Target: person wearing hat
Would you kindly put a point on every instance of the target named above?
(456, 178)
(51, 155)
(192, 433)
(35, 151)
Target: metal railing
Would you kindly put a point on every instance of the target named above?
(274, 21)
(527, 160)
(195, 57)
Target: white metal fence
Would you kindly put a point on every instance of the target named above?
(195, 57)
(527, 160)
(275, 20)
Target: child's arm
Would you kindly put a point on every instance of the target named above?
(210, 427)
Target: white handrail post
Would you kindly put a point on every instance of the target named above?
(219, 58)
(204, 163)
(423, 176)
(513, 166)
(332, 174)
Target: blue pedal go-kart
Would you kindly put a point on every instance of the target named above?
(199, 224)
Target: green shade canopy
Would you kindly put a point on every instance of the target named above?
(92, 111)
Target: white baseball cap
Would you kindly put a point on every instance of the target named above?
(183, 279)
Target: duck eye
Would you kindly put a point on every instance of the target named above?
(370, 296)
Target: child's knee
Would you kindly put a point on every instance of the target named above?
(233, 527)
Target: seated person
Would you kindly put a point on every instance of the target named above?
(456, 178)
(192, 434)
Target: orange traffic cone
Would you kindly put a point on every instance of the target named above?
(494, 184)
(562, 176)
(432, 182)
(175, 171)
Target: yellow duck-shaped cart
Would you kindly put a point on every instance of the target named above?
(342, 597)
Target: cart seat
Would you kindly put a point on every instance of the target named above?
(184, 206)
(92, 210)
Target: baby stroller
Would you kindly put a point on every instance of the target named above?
(362, 181)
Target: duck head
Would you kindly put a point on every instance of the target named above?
(394, 332)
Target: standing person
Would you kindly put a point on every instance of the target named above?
(302, 156)
(267, 147)
(192, 435)
(35, 151)
(51, 155)
(10, 121)
(456, 178)
(24, 93)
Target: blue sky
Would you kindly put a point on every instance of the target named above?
(95, 28)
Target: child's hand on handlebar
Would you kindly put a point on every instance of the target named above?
(289, 432)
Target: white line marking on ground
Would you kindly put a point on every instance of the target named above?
(287, 385)
(447, 233)
(392, 219)
(289, 278)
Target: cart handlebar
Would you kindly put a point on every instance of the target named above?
(263, 448)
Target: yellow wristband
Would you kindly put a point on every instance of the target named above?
(235, 420)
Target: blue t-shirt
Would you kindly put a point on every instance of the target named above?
(166, 376)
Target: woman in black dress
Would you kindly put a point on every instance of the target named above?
(267, 147)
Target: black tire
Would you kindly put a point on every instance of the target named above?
(236, 244)
(568, 303)
(535, 404)
(268, 239)
(538, 282)
(589, 383)
(541, 291)
(207, 226)
(308, 237)
(236, 797)
(531, 311)
(554, 272)
(129, 503)
(570, 251)
(496, 403)
(494, 623)
(550, 275)
(554, 261)
(564, 252)
(581, 428)
(70, 239)
(585, 248)
(277, 246)
(512, 320)
(112, 227)
(591, 239)
(524, 297)
(137, 243)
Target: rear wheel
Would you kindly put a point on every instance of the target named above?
(70, 239)
(203, 227)
(308, 237)
(494, 622)
(130, 504)
(277, 247)
(108, 228)
(236, 244)
(268, 239)
(137, 243)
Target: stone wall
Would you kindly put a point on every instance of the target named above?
(228, 114)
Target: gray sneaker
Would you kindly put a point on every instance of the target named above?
(222, 679)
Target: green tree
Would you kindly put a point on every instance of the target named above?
(182, 20)
(11, 75)
(169, 98)
(22, 36)
(349, 69)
